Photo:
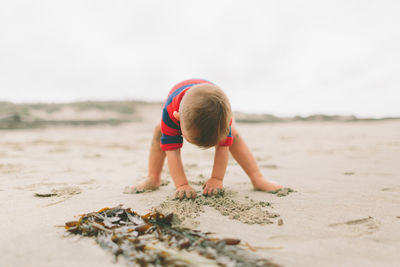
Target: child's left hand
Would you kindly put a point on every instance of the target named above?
(211, 186)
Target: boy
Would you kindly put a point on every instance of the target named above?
(199, 111)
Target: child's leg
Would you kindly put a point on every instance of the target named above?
(155, 165)
(242, 154)
(156, 157)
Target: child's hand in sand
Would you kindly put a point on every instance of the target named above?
(211, 186)
(185, 191)
(147, 185)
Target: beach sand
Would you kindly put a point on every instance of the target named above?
(345, 211)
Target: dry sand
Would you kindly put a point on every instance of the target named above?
(345, 211)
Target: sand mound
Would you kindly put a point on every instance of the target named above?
(227, 203)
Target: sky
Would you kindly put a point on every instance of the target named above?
(281, 57)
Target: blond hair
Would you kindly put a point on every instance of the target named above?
(206, 113)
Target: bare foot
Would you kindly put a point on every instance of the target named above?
(267, 186)
(147, 185)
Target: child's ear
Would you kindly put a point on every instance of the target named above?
(176, 115)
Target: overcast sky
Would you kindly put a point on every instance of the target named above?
(281, 57)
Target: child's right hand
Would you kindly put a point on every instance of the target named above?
(185, 191)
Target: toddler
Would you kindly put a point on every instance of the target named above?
(200, 112)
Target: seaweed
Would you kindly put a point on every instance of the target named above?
(151, 240)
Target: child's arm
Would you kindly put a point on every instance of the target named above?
(220, 162)
(183, 189)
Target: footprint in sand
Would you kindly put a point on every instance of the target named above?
(361, 226)
(59, 192)
(63, 193)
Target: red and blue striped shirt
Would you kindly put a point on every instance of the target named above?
(171, 138)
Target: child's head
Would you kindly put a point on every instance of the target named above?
(205, 114)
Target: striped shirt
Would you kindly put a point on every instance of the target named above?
(171, 138)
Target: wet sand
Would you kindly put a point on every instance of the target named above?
(345, 210)
(227, 203)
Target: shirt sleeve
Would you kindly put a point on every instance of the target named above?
(228, 141)
(171, 138)
(171, 142)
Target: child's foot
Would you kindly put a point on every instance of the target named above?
(148, 185)
(267, 186)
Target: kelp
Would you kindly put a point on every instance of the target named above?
(151, 240)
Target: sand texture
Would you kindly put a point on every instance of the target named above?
(344, 212)
(227, 203)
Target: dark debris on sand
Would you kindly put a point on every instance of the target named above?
(149, 240)
(282, 192)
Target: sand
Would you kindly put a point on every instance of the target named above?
(345, 211)
(227, 203)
